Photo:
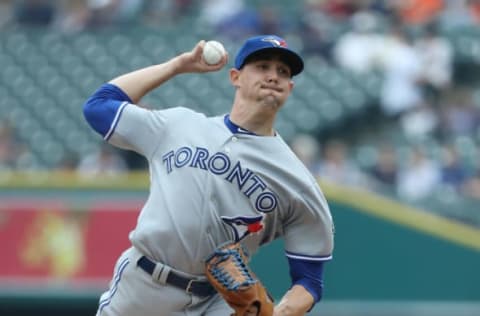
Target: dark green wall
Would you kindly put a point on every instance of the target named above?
(38, 304)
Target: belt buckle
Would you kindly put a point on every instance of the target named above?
(189, 286)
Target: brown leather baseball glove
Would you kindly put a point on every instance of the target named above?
(229, 274)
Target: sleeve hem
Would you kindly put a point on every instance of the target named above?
(307, 257)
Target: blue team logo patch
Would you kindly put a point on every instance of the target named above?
(275, 42)
(242, 226)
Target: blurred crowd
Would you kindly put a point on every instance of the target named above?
(318, 20)
(83, 15)
(413, 174)
(435, 118)
(315, 18)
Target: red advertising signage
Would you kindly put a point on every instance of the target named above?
(55, 242)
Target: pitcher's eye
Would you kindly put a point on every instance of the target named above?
(284, 71)
(263, 66)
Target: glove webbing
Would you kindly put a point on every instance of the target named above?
(225, 278)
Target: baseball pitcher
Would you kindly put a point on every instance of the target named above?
(220, 188)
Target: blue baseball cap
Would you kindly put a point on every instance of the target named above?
(264, 43)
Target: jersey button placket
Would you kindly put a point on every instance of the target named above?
(227, 149)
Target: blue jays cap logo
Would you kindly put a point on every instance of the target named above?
(269, 42)
(242, 226)
(275, 42)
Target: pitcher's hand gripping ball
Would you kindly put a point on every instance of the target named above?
(229, 274)
(213, 52)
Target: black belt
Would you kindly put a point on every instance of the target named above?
(192, 286)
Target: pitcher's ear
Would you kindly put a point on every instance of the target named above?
(234, 77)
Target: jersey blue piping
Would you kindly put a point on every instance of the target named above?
(115, 120)
(234, 128)
(105, 302)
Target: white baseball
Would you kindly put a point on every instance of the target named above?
(213, 52)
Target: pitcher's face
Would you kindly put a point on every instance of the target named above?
(265, 81)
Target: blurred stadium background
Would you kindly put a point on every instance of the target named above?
(386, 115)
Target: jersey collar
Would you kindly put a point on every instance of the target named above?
(234, 128)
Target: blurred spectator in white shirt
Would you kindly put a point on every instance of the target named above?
(105, 161)
(336, 167)
(419, 178)
(358, 50)
(73, 16)
(307, 150)
(214, 12)
(419, 123)
(231, 19)
(402, 68)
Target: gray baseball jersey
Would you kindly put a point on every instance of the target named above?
(209, 186)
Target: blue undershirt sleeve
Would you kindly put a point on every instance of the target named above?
(309, 274)
(103, 108)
